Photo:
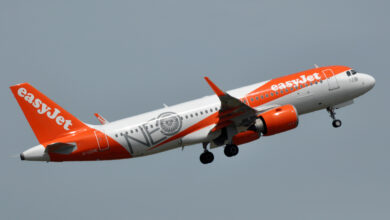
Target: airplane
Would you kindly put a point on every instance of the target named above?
(228, 119)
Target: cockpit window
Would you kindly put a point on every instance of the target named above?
(353, 72)
(348, 73)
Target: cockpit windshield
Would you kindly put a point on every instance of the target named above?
(351, 72)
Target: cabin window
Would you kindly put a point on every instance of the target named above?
(281, 91)
(262, 97)
(266, 95)
(131, 131)
(276, 93)
(251, 99)
(206, 111)
(353, 72)
(186, 116)
(116, 135)
(257, 97)
(291, 89)
(216, 109)
(211, 110)
(136, 130)
(272, 94)
(286, 90)
(191, 115)
(196, 114)
(301, 86)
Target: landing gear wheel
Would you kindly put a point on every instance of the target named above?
(336, 123)
(206, 157)
(231, 150)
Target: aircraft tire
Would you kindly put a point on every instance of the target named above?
(206, 157)
(231, 150)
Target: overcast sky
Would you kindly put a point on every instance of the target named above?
(122, 58)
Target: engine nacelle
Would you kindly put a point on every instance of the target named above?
(277, 120)
(245, 137)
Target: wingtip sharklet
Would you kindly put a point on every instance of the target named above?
(214, 87)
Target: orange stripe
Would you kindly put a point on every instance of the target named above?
(266, 88)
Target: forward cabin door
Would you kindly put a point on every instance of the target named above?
(331, 78)
(102, 141)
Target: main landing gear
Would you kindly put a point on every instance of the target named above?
(336, 122)
(206, 157)
(231, 150)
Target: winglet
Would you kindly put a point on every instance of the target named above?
(101, 119)
(215, 88)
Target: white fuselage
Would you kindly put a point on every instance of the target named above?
(139, 134)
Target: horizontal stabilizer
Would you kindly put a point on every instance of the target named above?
(102, 120)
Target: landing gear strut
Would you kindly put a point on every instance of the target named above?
(206, 157)
(336, 122)
(231, 150)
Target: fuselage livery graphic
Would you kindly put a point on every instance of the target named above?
(227, 119)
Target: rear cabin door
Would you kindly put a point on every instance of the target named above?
(331, 78)
(102, 141)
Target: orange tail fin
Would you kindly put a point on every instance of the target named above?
(47, 119)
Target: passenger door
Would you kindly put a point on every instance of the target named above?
(102, 141)
(331, 78)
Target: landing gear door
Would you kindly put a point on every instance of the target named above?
(331, 78)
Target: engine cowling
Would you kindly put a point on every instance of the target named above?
(277, 120)
(245, 137)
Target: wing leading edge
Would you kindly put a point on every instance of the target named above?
(233, 112)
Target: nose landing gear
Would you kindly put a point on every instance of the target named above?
(336, 122)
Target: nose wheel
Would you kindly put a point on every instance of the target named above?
(231, 150)
(336, 122)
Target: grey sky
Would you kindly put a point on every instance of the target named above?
(122, 58)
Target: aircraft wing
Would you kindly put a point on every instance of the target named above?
(233, 111)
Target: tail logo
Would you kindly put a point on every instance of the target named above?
(43, 108)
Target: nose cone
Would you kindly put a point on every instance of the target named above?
(370, 81)
(36, 153)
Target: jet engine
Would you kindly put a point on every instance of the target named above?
(245, 137)
(277, 120)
